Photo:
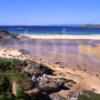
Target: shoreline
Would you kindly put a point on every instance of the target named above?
(83, 37)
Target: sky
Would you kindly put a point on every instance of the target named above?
(49, 12)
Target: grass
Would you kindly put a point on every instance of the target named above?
(11, 70)
(11, 64)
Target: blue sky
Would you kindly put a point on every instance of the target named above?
(46, 12)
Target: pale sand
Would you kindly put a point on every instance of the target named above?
(34, 36)
(6, 52)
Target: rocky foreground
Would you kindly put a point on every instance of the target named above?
(44, 80)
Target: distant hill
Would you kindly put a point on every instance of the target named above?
(91, 25)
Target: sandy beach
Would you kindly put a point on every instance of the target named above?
(34, 36)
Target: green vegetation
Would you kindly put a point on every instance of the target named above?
(11, 64)
(11, 70)
(89, 95)
(20, 94)
(5, 89)
(21, 78)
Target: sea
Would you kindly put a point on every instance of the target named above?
(68, 30)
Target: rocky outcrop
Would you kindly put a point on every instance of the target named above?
(36, 69)
(52, 85)
(48, 86)
(46, 82)
(6, 35)
(73, 95)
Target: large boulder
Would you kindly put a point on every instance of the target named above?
(52, 85)
(73, 95)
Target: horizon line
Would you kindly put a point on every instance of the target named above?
(49, 24)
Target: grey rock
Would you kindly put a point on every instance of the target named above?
(36, 69)
(56, 97)
(73, 95)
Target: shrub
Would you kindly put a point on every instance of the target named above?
(20, 94)
(8, 64)
(3, 97)
(9, 95)
(11, 70)
(4, 84)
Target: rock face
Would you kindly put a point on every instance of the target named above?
(46, 83)
(36, 69)
(48, 86)
(73, 95)
(52, 85)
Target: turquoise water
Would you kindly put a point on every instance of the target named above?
(70, 30)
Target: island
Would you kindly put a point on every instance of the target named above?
(90, 25)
